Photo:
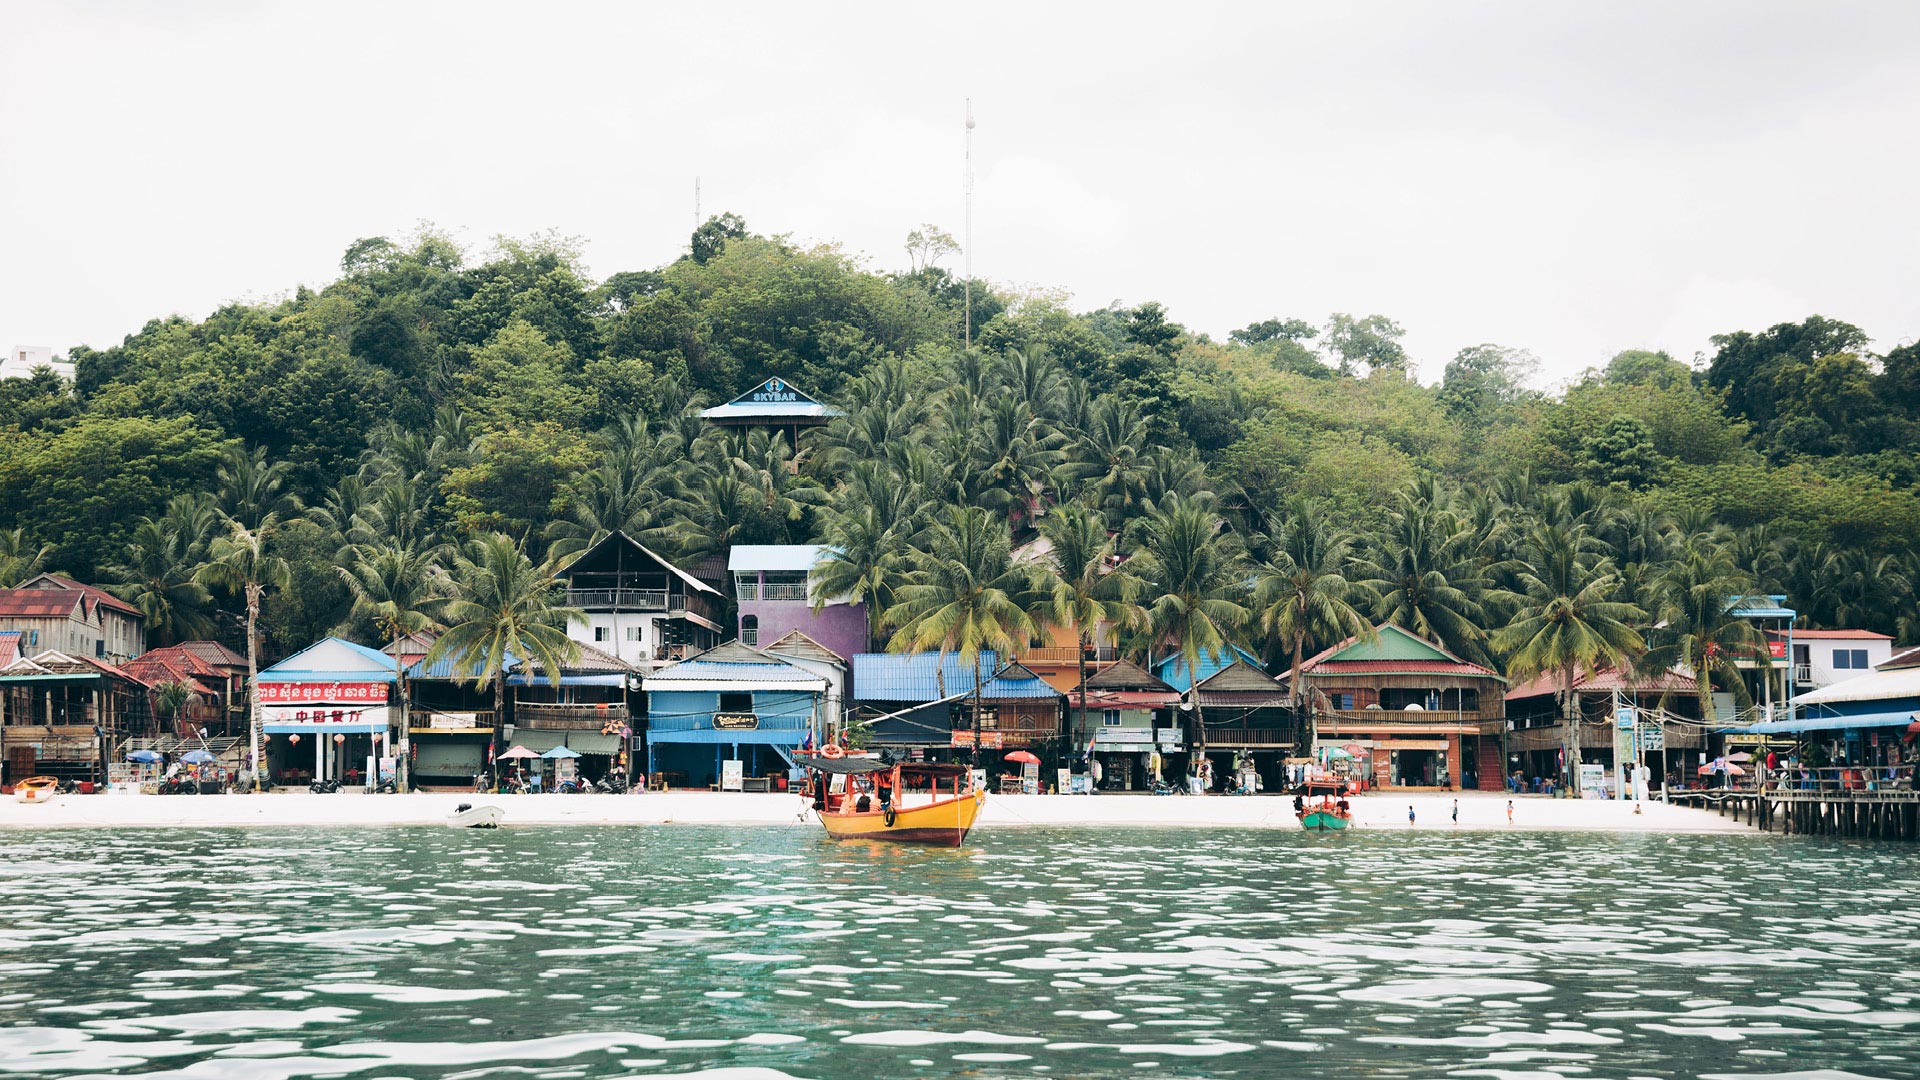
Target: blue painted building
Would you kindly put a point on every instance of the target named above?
(732, 703)
(1018, 707)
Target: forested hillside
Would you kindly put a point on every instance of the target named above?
(427, 397)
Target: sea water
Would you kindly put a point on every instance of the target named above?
(770, 952)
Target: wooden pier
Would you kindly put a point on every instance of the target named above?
(1865, 813)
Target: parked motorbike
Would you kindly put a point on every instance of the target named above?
(386, 787)
(611, 785)
(572, 787)
(1161, 787)
(324, 787)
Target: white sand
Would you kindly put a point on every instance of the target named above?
(1377, 811)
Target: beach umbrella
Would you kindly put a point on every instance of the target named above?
(1735, 770)
(559, 752)
(1023, 758)
(519, 753)
(1741, 756)
(1335, 753)
(145, 757)
(197, 757)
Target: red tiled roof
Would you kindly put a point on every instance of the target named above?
(1606, 682)
(9, 647)
(98, 595)
(37, 603)
(1830, 635)
(1400, 667)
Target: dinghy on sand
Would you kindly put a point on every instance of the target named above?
(468, 816)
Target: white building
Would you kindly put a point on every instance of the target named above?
(1822, 658)
(640, 607)
(21, 360)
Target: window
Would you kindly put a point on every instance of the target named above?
(633, 633)
(1341, 701)
(1110, 717)
(736, 703)
(99, 646)
(749, 629)
(1855, 659)
(600, 634)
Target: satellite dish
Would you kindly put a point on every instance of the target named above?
(1415, 707)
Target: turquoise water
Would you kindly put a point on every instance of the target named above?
(758, 953)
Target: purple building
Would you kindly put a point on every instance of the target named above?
(770, 583)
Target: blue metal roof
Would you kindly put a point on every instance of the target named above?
(452, 669)
(1755, 607)
(729, 670)
(1829, 723)
(332, 659)
(930, 676)
(1172, 670)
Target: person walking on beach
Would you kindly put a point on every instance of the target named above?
(1456, 811)
(1409, 813)
(1509, 811)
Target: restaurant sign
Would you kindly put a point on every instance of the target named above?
(322, 714)
(735, 721)
(331, 693)
(776, 390)
(989, 740)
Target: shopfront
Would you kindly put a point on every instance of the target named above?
(326, 712)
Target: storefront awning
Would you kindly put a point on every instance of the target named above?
(1828, 723)
(586, 742)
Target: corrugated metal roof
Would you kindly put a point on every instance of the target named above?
(770, 410)
(790, 558)
(93, 592)
(1882, 685)
(1606, 682)
(332, 659)
(931, 675)
(728, 671)
(1172, 670)
(9, 647)
(1334, 668)
(38, 603)
(1829, 635)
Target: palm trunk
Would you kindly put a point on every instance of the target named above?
(1303, 738)
(976, 710)
(1081, 724)
(1570, 707)
(253, 689)
(402, 772)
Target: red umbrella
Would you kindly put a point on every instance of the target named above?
(1023, 758)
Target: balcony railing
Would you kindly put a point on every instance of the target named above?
(450, 719)
(1250, 736)
(1350, 719)
(624, 599)
(751, 591)
(1101, 654)
(545, 717)
(1803, 674)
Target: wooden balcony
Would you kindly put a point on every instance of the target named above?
(623, 599)
(1472, 722)
(1227, 736)
(547, 717)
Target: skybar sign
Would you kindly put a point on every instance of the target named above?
(776, 390)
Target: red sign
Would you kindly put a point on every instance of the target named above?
(328, 693)
(990, 740)
(1777, 648)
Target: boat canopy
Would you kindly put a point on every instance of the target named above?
(861, 766)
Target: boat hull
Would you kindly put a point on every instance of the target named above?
(944, 823)
(1317, 820)
(36, 789)
(477, 817)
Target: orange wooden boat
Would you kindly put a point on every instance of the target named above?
(901, 802)
(36, 789)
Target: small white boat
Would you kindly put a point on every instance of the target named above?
(36, 789)
(468, 816)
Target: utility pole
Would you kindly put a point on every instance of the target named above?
(968, 271)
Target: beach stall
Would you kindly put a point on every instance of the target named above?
(326, 713)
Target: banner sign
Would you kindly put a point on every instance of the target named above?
(323, 714)
(735, 721)
(330, 693)
(1777, 648)
(453, 721)
(989, 740)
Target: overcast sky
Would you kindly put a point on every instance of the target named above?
(1572, 181)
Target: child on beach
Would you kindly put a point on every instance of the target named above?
(1509, 811)
(1409, 813)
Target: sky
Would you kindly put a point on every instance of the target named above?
(1572, 180)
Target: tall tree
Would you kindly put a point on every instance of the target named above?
(1087, 587)
(400, 589)
(1420, 569)
(1301, 593)
(1569, 622)
(505, 606)
(241, 563)
(965, 596)
(20, 558)
(1193, 572)
(1695, 625)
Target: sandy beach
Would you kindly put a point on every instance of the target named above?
(1378, 811)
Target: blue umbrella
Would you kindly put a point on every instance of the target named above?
(145, 757)
(559, 752)
(197, 757)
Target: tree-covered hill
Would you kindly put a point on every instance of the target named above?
(428, 396)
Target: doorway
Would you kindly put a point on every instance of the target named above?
(1415, 768)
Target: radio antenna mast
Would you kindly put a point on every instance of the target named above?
(968, 249)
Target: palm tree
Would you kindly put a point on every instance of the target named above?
(1192, 570)
(400, 589)
(169, 700)
(251, 486)
(241, 563)
(1569, 621)
(19, 558)
(1086, 585)
(504, 606)
(1301, 592)
(1422, 572)
(1695, 625)
(867, 542)
(965, 596)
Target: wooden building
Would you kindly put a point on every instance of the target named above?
(1418, 715)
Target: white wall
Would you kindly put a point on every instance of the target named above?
(1820, 654)
(22, 359)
